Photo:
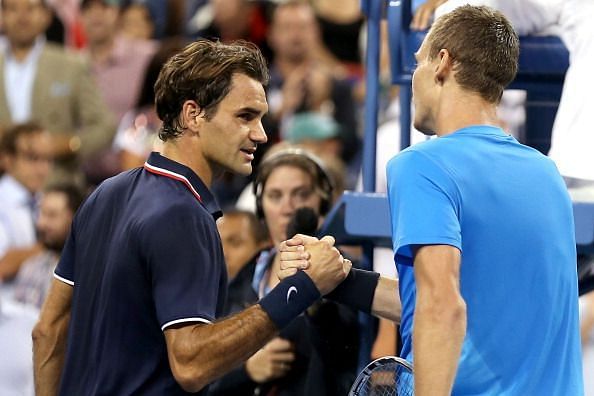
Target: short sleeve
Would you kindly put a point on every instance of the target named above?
(185, 264)
(65, 268)
(424, 204)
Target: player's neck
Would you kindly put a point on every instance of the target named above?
(184, 152)
(465, 109)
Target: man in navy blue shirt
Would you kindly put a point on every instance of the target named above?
(142, 278)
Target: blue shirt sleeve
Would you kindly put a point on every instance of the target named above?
(185, 264)
(424, 204)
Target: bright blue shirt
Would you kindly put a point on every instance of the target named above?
(505, 207)
(143, 254)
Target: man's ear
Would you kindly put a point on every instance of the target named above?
(192, 117)
(445, 65)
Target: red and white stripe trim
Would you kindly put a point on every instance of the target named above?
(172, 175)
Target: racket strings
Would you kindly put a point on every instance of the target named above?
(391, 379)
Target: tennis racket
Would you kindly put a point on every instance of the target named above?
(386, 376)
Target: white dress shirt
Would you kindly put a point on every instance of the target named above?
(17, 214)
(19, 78)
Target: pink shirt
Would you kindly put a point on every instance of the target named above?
(120, 77)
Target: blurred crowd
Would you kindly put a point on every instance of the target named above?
(77, 107)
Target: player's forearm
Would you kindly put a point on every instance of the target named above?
(386, 300)
(439, 330)
(212, 350)
(49, 349)
(199, 354)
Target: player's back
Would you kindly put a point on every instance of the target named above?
(518, 270)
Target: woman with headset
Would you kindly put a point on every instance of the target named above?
(317, 353)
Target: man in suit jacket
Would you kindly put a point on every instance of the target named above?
(41, 81)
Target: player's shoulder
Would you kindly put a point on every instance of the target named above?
(411, 157)
(172, 202)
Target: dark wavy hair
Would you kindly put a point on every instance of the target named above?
(203, 71)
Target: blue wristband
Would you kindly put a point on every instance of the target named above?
(357, 290)
(290, 298)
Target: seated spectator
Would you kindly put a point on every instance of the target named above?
(316, 131)
(117, 64)
(341, 25)
(169, 16)
(317, 354)
(302, 79)
(229, 20)
(136, 22)
(27, 158)
(54, 87)
(137, 133)
(56, 210)
(242, 237)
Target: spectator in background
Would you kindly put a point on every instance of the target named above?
(27, 158)
(341, 24)
(136, 22)
(301, 78)
(168, 16)
(43, 82)
(117, 64)
(58, 205)
(229, 20)
(242, 237)
(316, 131)
(317, 353)
(137, 133)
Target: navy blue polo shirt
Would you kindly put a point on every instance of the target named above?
(143, 254)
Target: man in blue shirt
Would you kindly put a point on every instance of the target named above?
(142, 278)
(482, 229)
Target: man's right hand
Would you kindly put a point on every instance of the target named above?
(318, 258)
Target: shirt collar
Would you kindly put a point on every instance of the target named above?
(33, 54)
(480, 130)
(163, 166)
(263, 262)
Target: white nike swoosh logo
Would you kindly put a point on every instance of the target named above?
(291, 289)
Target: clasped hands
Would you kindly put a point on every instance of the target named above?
(318, 258)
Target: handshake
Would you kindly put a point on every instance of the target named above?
(318, 258)
(335, 278)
